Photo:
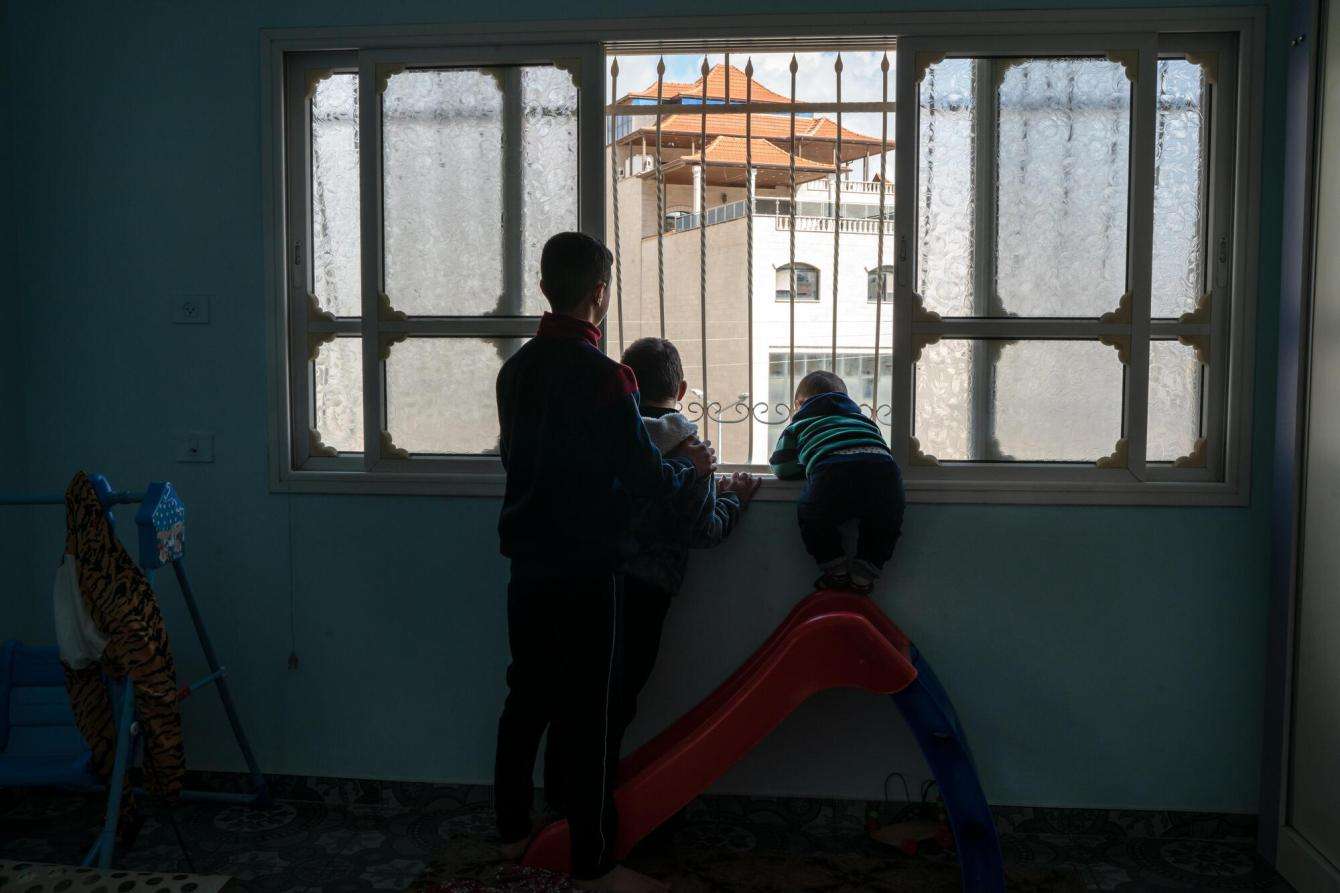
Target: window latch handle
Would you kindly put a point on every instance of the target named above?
(902, 260)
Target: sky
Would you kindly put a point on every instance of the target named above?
(816, 80)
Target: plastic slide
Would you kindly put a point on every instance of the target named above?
(830, 640)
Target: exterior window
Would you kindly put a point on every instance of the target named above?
(807, 283)
(879, 285)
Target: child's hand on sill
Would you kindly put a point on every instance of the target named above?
(743, 484)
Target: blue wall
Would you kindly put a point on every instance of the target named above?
(13, 442)
(1099, 656)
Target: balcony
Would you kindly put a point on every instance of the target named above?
(809, 216)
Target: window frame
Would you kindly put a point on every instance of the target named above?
(380, 325)
(885, 276)
(799, 267)
(1236, 337)
(1218, 481)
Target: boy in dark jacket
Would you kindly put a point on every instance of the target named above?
(575, 450)
(661, 531)
(849, 474)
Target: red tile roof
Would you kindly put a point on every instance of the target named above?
(731, 150)
(766, 126)
(716, 88)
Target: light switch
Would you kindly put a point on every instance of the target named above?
(195, 446)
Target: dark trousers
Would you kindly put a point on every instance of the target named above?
(567, 651)
(838, 491)
(644, 610)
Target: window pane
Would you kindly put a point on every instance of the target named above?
(335, 243)
(857, 370)
(1042, 401)
(875, 283)
(337, 409)
(440, 393)
(1174, 401)
(943, 418)
(1057, 400)
(1179, 179)
(443, 206)
(549, 169)
(945, 204)
(807, 283)
(1062, 167)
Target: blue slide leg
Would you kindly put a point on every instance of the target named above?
(930, 715)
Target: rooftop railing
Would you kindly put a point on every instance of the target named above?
(819, 216)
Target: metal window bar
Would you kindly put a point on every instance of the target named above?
(660, 195)
(749, 199)
(791, 263)
(614, 201)
(837, 203)
(702, 238)
(881, 274)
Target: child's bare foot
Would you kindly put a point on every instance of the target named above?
(512, 852)
(624, 880)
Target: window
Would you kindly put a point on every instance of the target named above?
(807, 282)
(879, 284)
(1045, 294)
(1066, 308)
(413, 269)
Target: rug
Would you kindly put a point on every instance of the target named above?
(472, 865)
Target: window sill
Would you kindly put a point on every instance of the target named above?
(978, 492)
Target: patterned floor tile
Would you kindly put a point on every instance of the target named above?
(349, 835)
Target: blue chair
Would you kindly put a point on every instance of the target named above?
(40, 745)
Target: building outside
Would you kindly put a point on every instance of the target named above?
(740, 308)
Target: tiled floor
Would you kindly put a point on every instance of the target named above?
(348, 835)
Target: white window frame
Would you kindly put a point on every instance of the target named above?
(884, 291)
(1020, 33)
(799, 267)
(913, 327)
(381, 466)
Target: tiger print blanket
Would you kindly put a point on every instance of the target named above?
(124, 609)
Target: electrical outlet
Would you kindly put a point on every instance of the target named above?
(190, 309)
(195, 446)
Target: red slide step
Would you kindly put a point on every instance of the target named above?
(830, 640)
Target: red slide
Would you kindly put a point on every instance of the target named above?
(830, 640)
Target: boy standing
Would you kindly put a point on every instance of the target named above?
(574, 448)
(664, 528)
(849, 473)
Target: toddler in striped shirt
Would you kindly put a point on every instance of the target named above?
(849, 474)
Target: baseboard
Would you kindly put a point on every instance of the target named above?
(1302, 865)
